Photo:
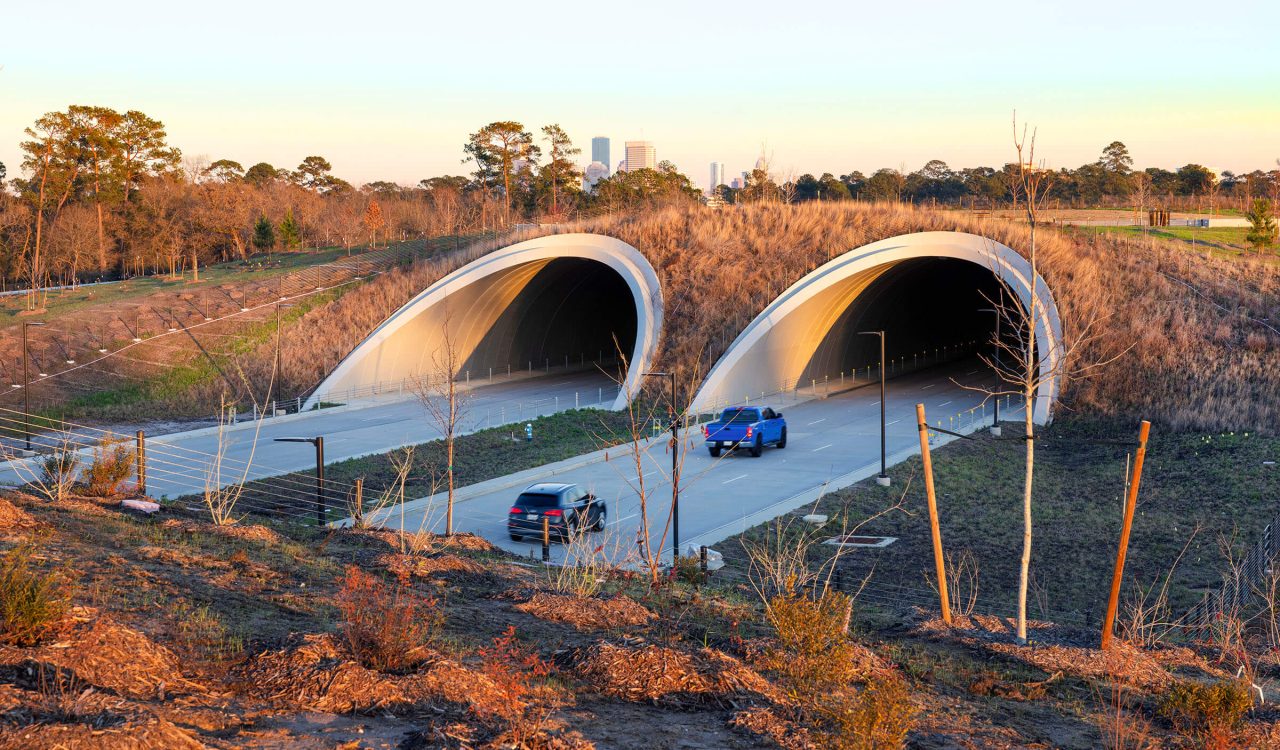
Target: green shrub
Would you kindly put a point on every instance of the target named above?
(1207, 709)
(58, 473)
(33, 604)
(112, 464)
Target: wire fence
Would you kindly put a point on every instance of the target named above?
(1243, 584)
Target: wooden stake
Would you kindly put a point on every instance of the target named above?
(940, 566)
(1131, 500)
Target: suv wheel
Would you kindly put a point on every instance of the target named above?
(757, 449)
(782, 442)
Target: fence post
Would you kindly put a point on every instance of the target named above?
(141, 463)
(546, 539)
(939, 563)
(702, 558)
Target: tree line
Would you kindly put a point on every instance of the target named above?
(1109, 181)
(103, 194)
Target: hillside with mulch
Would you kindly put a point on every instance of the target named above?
(122, 630)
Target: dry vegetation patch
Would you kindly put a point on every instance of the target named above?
(658, 674)
(428, 566)
(14, 518)
(141, 733)
(587, 612)
(105, 654)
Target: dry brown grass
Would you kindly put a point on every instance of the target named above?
(659, 674)
(1201, 356)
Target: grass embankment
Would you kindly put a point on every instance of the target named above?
(478, 457)
(1221, 242)
(1206, 489)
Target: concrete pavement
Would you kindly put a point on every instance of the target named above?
(832, 443)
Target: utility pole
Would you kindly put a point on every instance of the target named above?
(26, 383)
(675, 464)
(882, 480)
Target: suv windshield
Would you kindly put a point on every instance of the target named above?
(537, 500)
(740, 416)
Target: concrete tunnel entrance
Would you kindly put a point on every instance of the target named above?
(556, 303)
(925, 290)
(565, 312)
(929, 309)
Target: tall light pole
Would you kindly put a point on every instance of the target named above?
(995, 422)
(675, 465)
(882, 480)
(26, 383)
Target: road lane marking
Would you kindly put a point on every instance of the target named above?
(944, 403)
(975, 372)
(893, 422)
(828, 445)
(816, 421)
(740, 476)
(923, 387)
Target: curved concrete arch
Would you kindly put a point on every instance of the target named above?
(504, 307)
(788, 336)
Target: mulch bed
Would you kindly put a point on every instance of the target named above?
(105, 654)
(587, 612)
(656, 674)
(428, 566)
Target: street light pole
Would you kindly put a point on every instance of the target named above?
(26, 383)
(995, 422)
(675, 465)
(882, 480)
(318, 442)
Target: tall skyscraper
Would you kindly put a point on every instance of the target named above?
(640, 155)
(600, 150)
(717, 176)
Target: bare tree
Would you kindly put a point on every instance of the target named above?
(1021, 370)
(445, 402)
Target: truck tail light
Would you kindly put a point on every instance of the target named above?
(750, 431)
(706, 431)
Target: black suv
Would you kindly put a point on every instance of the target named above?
(567, 508)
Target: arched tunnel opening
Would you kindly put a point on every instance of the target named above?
(563, 311)
(932, 310)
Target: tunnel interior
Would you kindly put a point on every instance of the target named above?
(930, 308)
(549, 313)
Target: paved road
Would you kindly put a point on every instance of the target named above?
(181, 463)
(832, 442)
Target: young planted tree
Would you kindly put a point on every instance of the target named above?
(1262, 225)
(264, 235)
(445, 403)
(290, 232)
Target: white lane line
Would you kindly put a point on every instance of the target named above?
(828, 445)
(617, 521)
(975, 372)
(816, 421)
(893, 422)
(923, 387)
(944, 403)
(740, 476)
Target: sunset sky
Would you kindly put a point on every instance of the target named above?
(391, 90)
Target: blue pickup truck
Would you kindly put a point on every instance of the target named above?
(751, 427)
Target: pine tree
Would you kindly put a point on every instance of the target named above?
(264, 235)
(290, 232)
(1262, 225)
